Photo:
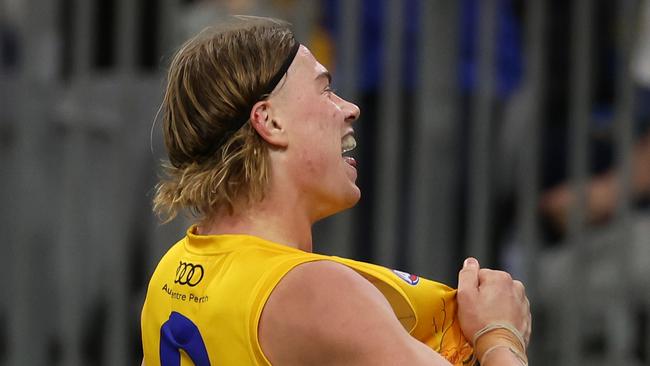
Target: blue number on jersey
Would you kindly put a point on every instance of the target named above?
(179, 333)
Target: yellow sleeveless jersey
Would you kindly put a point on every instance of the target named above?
(206, 296)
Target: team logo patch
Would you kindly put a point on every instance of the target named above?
(411, 279)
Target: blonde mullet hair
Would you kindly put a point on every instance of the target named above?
(213, 81)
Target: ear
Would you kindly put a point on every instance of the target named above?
(269, 128)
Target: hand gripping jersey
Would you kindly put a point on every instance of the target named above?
(206, 296)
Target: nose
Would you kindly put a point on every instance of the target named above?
(351, 110)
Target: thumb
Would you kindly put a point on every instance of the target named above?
(468, 276)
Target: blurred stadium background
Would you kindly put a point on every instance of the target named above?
(514, 131)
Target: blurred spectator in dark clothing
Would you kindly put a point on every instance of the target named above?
(602, 191)
(555, 147)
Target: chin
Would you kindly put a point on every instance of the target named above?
(344, 203)
(353, 199)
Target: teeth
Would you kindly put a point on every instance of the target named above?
(348, 143)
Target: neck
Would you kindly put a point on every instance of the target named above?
(267, 220)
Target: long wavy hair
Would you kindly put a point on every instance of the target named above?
(213, 82)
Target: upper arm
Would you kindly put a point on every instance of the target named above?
(324, 313)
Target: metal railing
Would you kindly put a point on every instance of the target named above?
(78, 169)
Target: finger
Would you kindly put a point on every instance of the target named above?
(492, 275)
(526, 332)
(519, 285)
(521, 289)
(468, 277)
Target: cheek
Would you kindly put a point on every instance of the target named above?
(316, 157)
(319, 135)
(319, 159)
(321, 129)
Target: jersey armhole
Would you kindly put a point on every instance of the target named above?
(399, 301)
(263, 289)
(384, 281)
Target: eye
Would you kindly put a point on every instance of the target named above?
(329, 89)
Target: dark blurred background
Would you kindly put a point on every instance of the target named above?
(514, 131)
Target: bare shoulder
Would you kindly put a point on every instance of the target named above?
(325, 313)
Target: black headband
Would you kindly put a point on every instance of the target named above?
(238, 122)
(281, 71)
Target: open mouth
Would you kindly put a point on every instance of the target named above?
(348, 143)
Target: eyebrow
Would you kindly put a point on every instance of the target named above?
(324, 74)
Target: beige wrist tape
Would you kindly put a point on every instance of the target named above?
(499, 335)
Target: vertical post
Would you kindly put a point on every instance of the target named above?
(579, 116)
(431, 198)
(620, 336)
(83, 37)
(127, 35)
(163, 235)
(73, 222)
(625, 105)
(528, 174)
(4, 22)
(72, 226)
(110, 192)
(388, 148)
(27, 317)
(113, 198)
(481, 124)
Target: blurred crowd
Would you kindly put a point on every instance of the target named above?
(320, 24)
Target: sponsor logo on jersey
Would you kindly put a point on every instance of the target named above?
(411, 279)
(188, 274)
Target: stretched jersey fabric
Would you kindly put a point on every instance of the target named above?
(205, 298)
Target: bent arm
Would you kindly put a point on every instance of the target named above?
(323, 313)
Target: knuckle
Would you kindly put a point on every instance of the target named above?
(505, 276)
(461, 294)
(502, 276)
(485, 273)
(495, 275)
(519, 286)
